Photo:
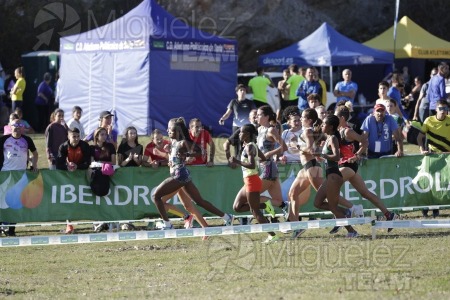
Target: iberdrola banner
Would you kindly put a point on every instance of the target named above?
(409, 181)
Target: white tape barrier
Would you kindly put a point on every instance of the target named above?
(445, 223)
(175, 233)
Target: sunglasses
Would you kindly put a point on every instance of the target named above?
(17, 125)
(442, 108)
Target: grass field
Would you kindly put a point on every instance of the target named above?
(404, 264)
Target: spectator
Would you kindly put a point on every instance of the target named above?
(258, 85)
(105, 121)
(55, 135)
(292, 135)
(157, 151)
(422, 103)
(202, 138)
(323, 96)
(346, 89)
(321, 112)
(391, 109)
(73, 154)
(234, 138)
(306, 88)
(43, 101)
(414, 95)
(27, 129)
(101, 152)
(436, 129)
(18, 89)
(74, 122)
(283, 89)
(7, 129)
(14, 156)
(292, 85)
(436, 89)
(240, 107)
(129, 153)
(379, 128)
(384, 99)
(314, 100)
(395, 92)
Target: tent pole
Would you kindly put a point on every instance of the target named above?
(331, 78)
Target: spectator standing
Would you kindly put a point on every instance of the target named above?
(43, 101)
(55, 135)
(323, 96)
(436, 89)
(379, 128)
(74, 122)
(346, 89)
(282, 87)
(27, 127)
(292, 85)
(306, 88)
(437, 131)
(395, 92)
(422, 103)
(105, 121)
(203, 139)
(314, 101)
(258, 86)
(130, 151)
(240, 107)
(18, 89)
(14, 155)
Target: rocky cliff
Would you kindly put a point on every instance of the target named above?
(262, 26)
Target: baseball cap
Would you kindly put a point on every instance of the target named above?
(379, 106)
(105, 114)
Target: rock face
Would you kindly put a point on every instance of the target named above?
(262, 26)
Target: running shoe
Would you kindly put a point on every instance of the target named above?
(269, 208)
(168, 227)
(335, 229)
(392, 217)
(285, 210)
(297, 233)
(101, 227)
(228, 219)
(358, 211)
(352, 235)
(271, 239)
(188, 221)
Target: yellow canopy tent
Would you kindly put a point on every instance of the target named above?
(412, 42)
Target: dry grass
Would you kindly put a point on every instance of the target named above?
(405, 264)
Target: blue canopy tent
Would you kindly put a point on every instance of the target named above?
(326, 47)
(147, 67)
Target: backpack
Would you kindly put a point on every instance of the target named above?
(99, 182)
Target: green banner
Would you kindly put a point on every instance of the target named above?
(59, 195)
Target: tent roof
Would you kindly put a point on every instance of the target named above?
(412, 42)
(326, 47)
(133, 30)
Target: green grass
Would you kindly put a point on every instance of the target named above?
(405, 264)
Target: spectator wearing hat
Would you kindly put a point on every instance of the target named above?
(105, 121)
(379, 128)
